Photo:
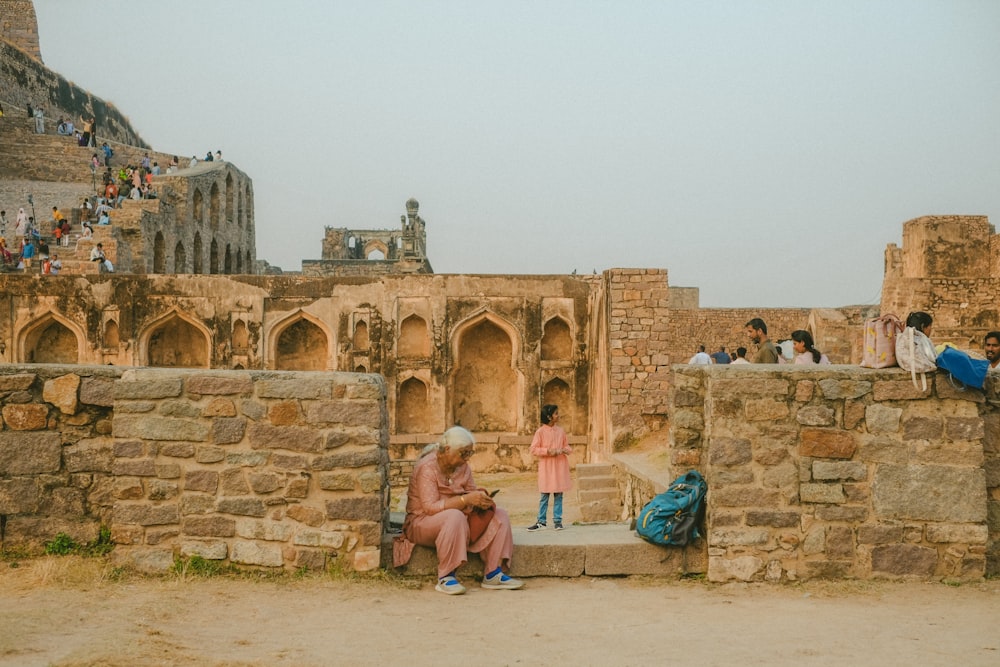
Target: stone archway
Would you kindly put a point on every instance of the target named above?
(412, 409)
(180, 258)
(485, 384)
(175, 341)
(49, 341)
(159, 254)
(557, 343)
(301, 345)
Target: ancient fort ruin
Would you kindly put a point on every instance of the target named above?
(215, 454)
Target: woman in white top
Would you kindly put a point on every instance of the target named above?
(805, 351)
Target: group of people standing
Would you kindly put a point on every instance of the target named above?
(802, 346)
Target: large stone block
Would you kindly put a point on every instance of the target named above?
(815, 415)
(231, 383)
(299, 386)
(741, 568)
(26, 417)
(901, 390)
(294, 438)
(729, 451)
(146, 515)
(241, 506)
(833, 389)
(21, 495)
(882, 418)
(824, 443)
(766, 409)
(821, 493)
(904, 560)
(252, 553)
(228, 430)
(347, 413)
(152, 427)
(307, 515)
(29, 453)
(950, 533)
(144, 559)
(17, 382)
(146, 385)
(364, 508)
(773, 518)
(347, 460)
(839, 470)
(209, 526)
(97, 391)
(929, 493)
(210, 550)
(62, 393)
(89, 455)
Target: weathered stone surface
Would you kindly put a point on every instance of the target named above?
(804, 390)
(729, 451)
(253, 409)
(773, 518)
(134, 407)
(129, 449)
(821, 493)
(827, 569)
(284, 413)
(346, 460)
(770, 455)
(947, 453)
(310, 559)
(684, 398)
(209, 454)
(252, 553)
(219, 407)
(371, 387)
(228, 430)
(29, 453)
(128, 488)
(929, 493)
(145, 385)
(289, 461)
(765, 409)
(241, 506)
(815, 415)
(144, 559)
(211, 550)
(134, 467)
(297, 488)
(880, 534)
(265, 482)
(26, 417)
(741, 568)
(882, 418)
(168, 470)
(365, 508)
(201, 480)
(839, 470)
(231, 383)
(209, 526)
(62, 393)
(248, 459)
(693, 419)
(160, 535)
(923, 428)
(97, 391)
(339, 481)
(839, 542)
(823, 443)
(271, 531)
(964, 428)
(317, 538)
(366, 559)
(146, 515)
(904, 559)
(162, 490)
(842, 513)
(881, 449)
(957, 533)
(301, 386)
(370, 482)
(745, 497)
(89, 455)
(294, 438)
(177, 450)
(834, 389)
(17, 382)
(307, 515)
(150, 427)
(854, 412)
(751, 387)
(233, 482)
(19, 496)
(180, 407)
(900, 390)
(346, 413)
(196, 503)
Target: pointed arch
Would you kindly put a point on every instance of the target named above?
(241, 337)
(239, 262)
(557, 392)
(175, 340)
(486, 383)
(111, 338)
(557, 341)
(50, 339)
(228, 262)
(180, 258)
(213, 258)
(198, 206)
(414, 340)
(374, 246)
(230, 198)
(215, 203)
(301, 342)
(159, 254)
(199, 255)
(361, 341)
(412, 407)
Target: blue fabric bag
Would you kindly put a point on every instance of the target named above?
(970, 372)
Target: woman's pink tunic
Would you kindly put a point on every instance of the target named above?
(553, 471)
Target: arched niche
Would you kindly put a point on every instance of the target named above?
(239, 262)
(414, 342)
(557, 341)
(557, 392)
(159, 254)
(199, 255)
(213, 258)
(301, 343)
(249, 263)
(228, 263)
(198, 206)
(180, 258)
(360, 369)
(241, 337)
(360, 340)
(176, 341)
(412, 409)
(485, 384)
(215, 203)
(111, 337)
(230, 198)
(50, 339)
(375, 246)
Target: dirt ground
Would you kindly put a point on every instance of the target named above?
(64, 611)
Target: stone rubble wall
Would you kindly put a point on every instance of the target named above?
(269, 469)
(841, 472)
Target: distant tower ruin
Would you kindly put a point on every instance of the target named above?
(364, 252)
(19, 26)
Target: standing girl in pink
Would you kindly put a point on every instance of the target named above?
(552, 449)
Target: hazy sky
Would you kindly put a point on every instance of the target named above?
(765, 152)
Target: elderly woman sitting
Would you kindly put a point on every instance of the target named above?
(440, 498)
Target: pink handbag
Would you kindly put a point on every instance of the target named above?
(879, 349)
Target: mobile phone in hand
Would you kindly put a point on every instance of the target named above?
(494, 493)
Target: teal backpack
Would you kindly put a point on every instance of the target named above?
(673, 517)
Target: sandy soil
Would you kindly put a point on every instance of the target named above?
(63, 611)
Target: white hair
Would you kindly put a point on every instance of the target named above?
(454, 438)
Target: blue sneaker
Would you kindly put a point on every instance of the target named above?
(449, 586)
(501, 581)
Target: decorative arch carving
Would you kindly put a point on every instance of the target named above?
(50, 339)
(175, 340)
(111, 338)
(412, 406)
(361, 342)
(557, 340)
(413, 340)
(241, 337)
(301, 342)
(486, 384)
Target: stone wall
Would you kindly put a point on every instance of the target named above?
(19, 26)
(261, 469)
(841, 472)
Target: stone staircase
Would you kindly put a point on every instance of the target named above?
(598, 493)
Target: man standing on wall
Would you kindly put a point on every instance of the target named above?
(991, 346)
(756, 330)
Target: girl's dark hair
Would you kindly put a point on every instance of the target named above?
(919, 320)
(547, 412)
(802, 336)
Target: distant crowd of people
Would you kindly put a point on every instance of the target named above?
(798, 348)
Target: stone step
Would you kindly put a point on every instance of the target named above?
(597, 482)
(594, 470)
(595, 550)
(592, 495)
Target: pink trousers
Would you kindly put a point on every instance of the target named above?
(448, 532)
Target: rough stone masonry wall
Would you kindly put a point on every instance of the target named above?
(272, 469)
(841, 472)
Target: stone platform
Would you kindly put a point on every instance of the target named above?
(596, 550)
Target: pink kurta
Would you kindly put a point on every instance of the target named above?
(447, 530)
(553, 471)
